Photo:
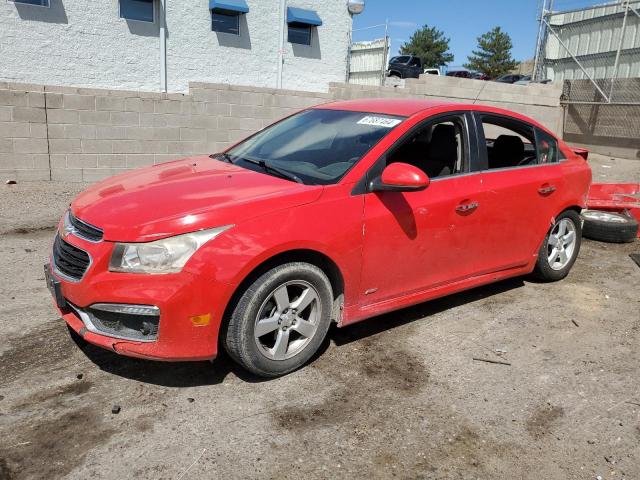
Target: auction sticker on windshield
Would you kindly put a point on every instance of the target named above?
(379, 121)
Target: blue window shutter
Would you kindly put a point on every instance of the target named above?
(229, 7)
(300, 16)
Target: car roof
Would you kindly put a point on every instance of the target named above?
(388, 106)
(407, 107)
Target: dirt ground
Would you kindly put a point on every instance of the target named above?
(398, 396)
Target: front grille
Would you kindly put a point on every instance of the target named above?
(69, 260)
(84, 230)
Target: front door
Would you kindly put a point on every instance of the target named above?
(419, 240)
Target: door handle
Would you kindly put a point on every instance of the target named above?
(546, 189)
(467, 207)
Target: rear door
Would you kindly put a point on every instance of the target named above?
(521, 179)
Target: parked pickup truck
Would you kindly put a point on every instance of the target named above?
(405, 66)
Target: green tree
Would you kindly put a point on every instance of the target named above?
(430, 45)
(493, 56)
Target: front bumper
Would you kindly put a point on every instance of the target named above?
(184, 299)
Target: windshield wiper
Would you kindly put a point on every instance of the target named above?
(270, 168)
(225, 157)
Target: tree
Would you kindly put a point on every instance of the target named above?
(430, 45)
(493, 56)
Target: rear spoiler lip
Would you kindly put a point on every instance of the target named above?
(581, 152)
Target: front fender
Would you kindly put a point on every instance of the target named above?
(331, 226)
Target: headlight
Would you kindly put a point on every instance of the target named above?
(168, 255)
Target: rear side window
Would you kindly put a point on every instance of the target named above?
(509, 143)
(547, 148)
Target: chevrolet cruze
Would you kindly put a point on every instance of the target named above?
(335, 214)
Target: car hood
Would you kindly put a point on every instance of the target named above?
(184, 196)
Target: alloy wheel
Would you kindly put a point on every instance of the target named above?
(561, 244)
(287, 320)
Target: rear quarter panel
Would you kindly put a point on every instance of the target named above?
(577, 176)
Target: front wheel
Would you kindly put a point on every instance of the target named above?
(560, 248)
(280, 319)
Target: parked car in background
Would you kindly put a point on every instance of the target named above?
(338, 213)
(460, 74)
(405, 66)
(509, 78)
(431, 71)
(526, 80)
(479, 76)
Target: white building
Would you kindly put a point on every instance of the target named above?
(123, 44)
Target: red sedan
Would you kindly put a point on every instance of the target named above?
(335, 214)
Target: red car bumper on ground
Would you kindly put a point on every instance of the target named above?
(615, 197)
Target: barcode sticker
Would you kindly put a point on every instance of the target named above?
(379, 121)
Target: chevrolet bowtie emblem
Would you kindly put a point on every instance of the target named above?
(67, 230)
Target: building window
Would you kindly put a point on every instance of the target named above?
(300, 34)
(140, 10)
(300, 22)
(39, 3)
(225, 15)
(225, 23)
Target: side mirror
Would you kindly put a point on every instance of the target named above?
(400, 177)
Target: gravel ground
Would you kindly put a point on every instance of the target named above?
(397, 396)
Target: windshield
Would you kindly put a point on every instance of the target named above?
(316, 146)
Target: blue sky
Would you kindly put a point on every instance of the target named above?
(461, 20)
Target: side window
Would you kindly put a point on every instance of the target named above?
(414, 62)
(547, 148)
(438, 148)
(509, 143)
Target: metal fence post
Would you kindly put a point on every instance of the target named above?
(620, 43)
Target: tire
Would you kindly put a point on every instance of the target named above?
(553, 266)
(609, 226)
(260, 350)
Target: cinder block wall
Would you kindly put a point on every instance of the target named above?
(540, 102)
(81, 134)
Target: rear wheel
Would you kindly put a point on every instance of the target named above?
(560, 248)
(280, 320)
